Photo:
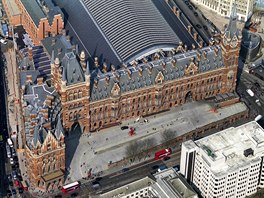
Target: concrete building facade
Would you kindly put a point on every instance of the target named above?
(226, 164)
(224, 7)
(165, 184)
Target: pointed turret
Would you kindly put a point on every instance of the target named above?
(231, 29)
(59, 129)
(36, 137)
(52, 57)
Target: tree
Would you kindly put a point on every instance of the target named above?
(132, 150)
(147, 145)
(168, 135)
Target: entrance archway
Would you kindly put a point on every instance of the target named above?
(188, 97)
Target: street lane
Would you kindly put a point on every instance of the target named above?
(3, 127)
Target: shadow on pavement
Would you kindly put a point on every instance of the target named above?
(71, 143)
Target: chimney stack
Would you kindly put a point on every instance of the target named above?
(30, 53)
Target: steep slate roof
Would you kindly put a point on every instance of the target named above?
(72, 70)
(34, 99)
(61, 46)
(34, 10)
(170, 72)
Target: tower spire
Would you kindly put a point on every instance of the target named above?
(232, 25)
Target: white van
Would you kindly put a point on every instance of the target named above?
(8, 151)
(10, 143)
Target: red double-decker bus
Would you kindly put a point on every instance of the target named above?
(70, 187)
(164, 153)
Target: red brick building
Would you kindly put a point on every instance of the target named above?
(39, 20)
(105, 96)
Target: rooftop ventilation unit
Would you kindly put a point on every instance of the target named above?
(248, 152)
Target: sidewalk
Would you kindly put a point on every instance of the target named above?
(95, 151)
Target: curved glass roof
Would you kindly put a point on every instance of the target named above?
(131, 26)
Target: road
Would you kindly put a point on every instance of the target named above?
(118, 179)
(247, 81)
(3, 127)
(189, 13)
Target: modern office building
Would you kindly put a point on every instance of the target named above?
(165, 184)
(224, 7)
(226, 164)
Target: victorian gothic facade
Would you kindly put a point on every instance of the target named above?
(98, 96)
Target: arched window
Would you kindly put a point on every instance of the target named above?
(80, 94)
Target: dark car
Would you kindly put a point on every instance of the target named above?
(155, 167)
(125, 170)
(14, 192)
(166, 158)
(190, 7)
(74, 194)
(124, 127)
(20, 190)
(176, 167)
(9, 193)
(195, 14)
(187, 2)
(98, 178)
(198, 26)
(205, 27)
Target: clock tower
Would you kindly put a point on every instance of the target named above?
(230, 45)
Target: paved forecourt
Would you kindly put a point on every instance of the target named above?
(94, 151)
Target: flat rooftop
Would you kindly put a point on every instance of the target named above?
(225, 149)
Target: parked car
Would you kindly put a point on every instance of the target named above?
(176, 167)
(195, 14)
(198, 26)
(17, 183)
(20, 190)
(11, 161)
(124, 127)
(9, 193)
(14, 192)
(3, 41)
(258, 102)
(166, 158)
(125, 170)
(162, 167)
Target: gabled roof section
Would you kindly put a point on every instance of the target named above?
(72, 70)
(52, 10)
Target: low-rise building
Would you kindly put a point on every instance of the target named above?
(226, 164)
(165, 184)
